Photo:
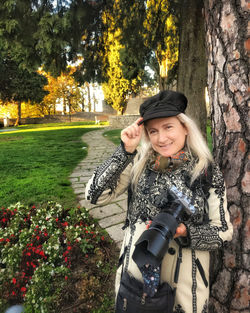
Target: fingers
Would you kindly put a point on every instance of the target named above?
(133, 130)
(131, 136)
(139, 120)
(181, 231)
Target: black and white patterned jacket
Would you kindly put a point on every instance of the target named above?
(208, 227)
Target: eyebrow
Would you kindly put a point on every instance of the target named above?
(165, 124)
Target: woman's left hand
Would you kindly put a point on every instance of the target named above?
(181, 231)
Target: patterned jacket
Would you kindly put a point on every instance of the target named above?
(208, 227)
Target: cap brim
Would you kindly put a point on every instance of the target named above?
(158, 115)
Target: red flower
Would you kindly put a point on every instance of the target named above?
(69, 248)
(33, 265)
(66, 277)
(23, 289)
(14, 280)
(102, 238)
(13, 293)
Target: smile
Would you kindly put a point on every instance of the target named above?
(165, 146)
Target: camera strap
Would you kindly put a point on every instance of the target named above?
(178, 264)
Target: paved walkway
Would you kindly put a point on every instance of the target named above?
(112, 216)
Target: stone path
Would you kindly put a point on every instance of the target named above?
(112, 216)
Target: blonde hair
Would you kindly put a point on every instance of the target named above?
(195, 143)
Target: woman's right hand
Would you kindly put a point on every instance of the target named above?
(131, 136)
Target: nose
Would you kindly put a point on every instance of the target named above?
(162, 137)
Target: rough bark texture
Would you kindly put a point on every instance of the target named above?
(228, 45)
(192, 69)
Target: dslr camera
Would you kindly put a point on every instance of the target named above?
(152, 245)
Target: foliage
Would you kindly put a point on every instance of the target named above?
(115, 39)
(19, 84)
(40, 248)
(162, 34)
(51, 33)
(64, 88)
(10, 110)
(117, 87)
(156, 39)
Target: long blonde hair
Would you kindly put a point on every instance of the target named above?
(195, 144)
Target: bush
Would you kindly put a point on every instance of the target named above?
(41, 250)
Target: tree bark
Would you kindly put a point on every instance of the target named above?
(19, 113)
(227, 49)
(192, 68)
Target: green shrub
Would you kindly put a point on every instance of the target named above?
(39, 249)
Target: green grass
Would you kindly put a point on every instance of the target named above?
(36, 161)
(113, 135)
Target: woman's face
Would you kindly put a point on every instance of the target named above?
(167, 135)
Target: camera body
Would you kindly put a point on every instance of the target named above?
(153, 243)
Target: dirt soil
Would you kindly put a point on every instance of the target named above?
(91, 287)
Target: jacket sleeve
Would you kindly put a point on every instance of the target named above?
(218, 229)
(111, 178)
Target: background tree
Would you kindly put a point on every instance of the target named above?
(20, 85)
(228, 50)
(192, 65)
(162, 37)
(150, 37)
(129, 17)
(62, 89)
(116, 87)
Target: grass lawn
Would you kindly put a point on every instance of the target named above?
(113, 135)
(36, 161)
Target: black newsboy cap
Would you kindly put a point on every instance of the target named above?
(165, 104)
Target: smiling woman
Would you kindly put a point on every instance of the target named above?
(167, 135)
(174, 188)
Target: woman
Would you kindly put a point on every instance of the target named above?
(172, 152)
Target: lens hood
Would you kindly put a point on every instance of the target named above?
(153, 243)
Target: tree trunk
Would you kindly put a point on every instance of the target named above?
(163, 83)
(227, 48)
(192, 68)
(19, 113)
(89, 98)
(64, 105)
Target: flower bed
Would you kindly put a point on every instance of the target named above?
(48, 256)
